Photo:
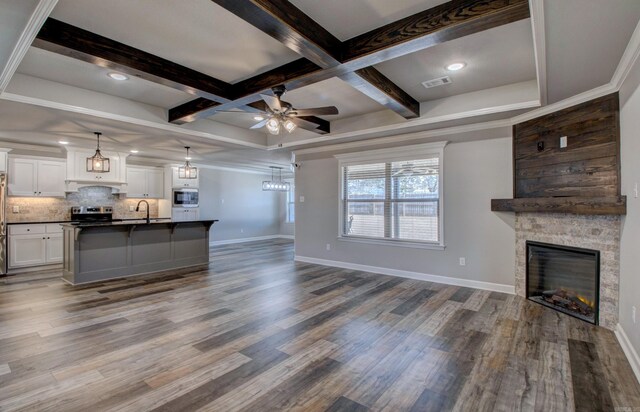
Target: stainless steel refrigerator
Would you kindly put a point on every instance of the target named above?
(3, 225)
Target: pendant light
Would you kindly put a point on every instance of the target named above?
(187, 171)
(98, 163)
(276, 185)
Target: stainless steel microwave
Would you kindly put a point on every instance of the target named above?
(185, 197)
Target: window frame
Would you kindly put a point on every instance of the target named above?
(290, 201)
(405, 153)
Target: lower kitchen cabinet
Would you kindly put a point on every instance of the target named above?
(35, 245)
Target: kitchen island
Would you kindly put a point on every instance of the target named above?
(99, 251)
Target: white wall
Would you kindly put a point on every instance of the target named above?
(630, 239)
(474, 173)
(237, 200)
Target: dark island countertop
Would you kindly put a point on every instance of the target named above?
(137, 222)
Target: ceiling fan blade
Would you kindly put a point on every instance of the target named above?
(316, 111)
(303, 124)
(272, 102)
(259, 124)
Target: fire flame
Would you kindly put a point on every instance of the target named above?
(586, 301)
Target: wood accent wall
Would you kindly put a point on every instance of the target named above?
(589, 167)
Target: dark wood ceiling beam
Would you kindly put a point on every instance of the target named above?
(445, 22)
(286, 23)
(77, 43)
(289, 25)
(448, 21)
(378, 87)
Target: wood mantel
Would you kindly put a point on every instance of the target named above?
(576, 205)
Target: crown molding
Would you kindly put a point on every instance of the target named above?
(412, 123)
(629, 57)
(126, 119)
(35, 22)
(536, 8)
(408, 137)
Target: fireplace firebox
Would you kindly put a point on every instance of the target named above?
(564, 278)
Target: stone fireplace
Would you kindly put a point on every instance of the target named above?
(596, 232)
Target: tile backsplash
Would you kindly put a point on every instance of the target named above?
(41, 209)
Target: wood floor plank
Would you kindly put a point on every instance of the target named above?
(254, 330)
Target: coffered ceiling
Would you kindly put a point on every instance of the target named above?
(510, 66)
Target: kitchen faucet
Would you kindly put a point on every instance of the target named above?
(138, 209)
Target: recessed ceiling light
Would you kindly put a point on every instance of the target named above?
(258, 118)
(117, 76)
(134, 151)
(63, 142)
(456, 66)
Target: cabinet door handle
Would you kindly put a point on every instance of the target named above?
(39, 193)
(28, 230)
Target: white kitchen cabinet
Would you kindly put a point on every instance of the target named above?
(185, 214)
(4, 161)
(145, 182)
(177, 182)
(33, 177)
(27, 250)
(35, 245)
(54, 248)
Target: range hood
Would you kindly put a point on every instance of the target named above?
(78, 177)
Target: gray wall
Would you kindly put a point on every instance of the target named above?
(474, 172)
(630, 238)
(237, 200)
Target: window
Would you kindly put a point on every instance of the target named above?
(393, 195)
(291, 205)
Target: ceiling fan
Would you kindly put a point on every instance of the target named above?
(278, 114)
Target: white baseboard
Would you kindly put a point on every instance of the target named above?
(248, 239)
(476, 284)
(629, 350)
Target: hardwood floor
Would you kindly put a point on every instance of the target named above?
(257, 332)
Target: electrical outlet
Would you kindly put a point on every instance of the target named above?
(16, 209)
(241, 230)
(633, 314)
(328, 246)
(132, 208)
(463, 261)
(635, 190)
(222, 201)
(301, 199)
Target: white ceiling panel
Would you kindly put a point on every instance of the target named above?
(496, 57)
(347, 19)
(55, 67)
(197, 34)
(585, 41)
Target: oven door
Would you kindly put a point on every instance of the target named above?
(185, 198)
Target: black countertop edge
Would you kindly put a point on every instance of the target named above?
(76, 221)
(137, 222)
(39, 223)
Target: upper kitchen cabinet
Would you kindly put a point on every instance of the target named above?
(31, 177)
(77, 167)
(177, 182)
(4, 163)
(145, 182)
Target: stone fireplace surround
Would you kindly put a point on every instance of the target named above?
(599, 232)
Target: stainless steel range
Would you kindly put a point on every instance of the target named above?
(92, 213)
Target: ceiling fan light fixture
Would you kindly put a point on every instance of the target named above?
(289, 126)
(273, 126)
